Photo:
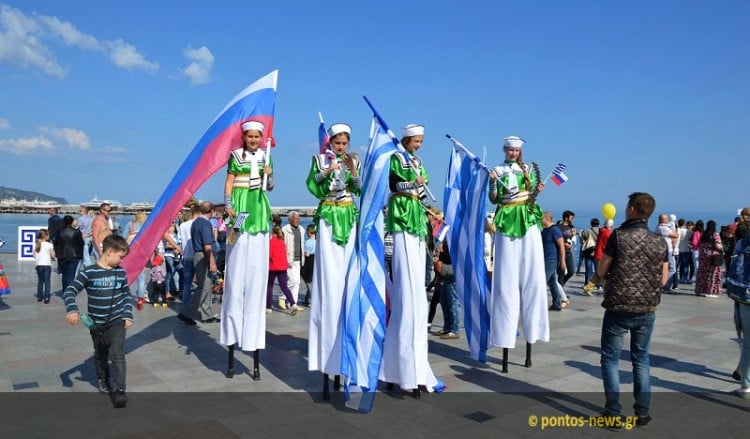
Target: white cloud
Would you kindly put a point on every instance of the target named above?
(69, 34)
(75, 138)
(199, 70)
(25, 145)
(22, 43)
(21, 46)
(4, 124)
(127, 56)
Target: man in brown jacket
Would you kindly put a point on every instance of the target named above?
(635, 266)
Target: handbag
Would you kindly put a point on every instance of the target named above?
(716, 260)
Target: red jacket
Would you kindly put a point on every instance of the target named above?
(601, 243)
(277, 255)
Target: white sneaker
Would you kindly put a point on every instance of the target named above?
(742, 392)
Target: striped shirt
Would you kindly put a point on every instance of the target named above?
(108, 294)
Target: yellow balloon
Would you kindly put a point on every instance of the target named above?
(609, 211)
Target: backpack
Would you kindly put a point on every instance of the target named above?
(589, 243)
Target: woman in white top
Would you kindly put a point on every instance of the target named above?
(44, 253)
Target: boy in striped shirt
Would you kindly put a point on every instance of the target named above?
(110, 307)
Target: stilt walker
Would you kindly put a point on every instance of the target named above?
(518, 283)
(243, 315)
(334, 179)
(405, 354)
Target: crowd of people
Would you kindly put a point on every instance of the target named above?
(526, 254)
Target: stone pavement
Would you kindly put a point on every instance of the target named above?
(693, 352)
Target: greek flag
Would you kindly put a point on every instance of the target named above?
(364, 298)
(465, 204)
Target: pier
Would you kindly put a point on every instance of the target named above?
(72, 209)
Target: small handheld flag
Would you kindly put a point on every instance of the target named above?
(322, 135)
(557, 172)
(559, 178)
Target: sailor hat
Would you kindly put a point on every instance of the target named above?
(412, 130)
(253, 125)
(339, 128)
(513, 142)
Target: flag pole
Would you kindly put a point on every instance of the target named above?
(458, 145)
(268, 161)
(396, 141)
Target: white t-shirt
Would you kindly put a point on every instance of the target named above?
(186, 242)
(44, 256)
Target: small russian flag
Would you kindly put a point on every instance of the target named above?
(322, 135)
(558, 177)
(440, 232)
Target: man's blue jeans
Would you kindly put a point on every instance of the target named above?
(188, 272)
(87, 260)
(614, 327)
(550, 271)
(590, 268)
(449, 305)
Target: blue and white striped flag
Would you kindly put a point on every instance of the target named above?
(465, 205)
(364, 312)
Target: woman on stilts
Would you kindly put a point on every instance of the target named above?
(243, 312)
(518, 284)
(405, 346)
(334, 179)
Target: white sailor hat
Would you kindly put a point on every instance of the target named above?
(253, 125)
(412, 130)
(339, 128)
(513, 142)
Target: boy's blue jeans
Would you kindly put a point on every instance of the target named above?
(110, 344)
(614, 327)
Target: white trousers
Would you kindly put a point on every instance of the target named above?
(518, 289)
(328, 284)
(243, 311)
(293, 273)
(405, 356)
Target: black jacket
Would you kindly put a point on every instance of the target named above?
(70, 244)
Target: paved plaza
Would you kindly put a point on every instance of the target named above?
(177, 385)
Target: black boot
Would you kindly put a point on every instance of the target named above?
(230, 362)
(256, 365)
(326, 391)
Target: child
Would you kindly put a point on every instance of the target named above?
(110, 307)
(277, 265)
(307, 269)
(44, 253)
(158, 276)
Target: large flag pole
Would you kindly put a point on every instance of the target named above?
(397, 142)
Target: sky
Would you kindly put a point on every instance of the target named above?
(108, 98)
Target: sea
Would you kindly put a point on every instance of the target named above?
(9, 222)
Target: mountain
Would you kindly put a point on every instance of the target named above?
(19, 194)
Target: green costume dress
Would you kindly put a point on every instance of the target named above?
(405, 210)
(247, 195)
(513, 216)
(335, 192)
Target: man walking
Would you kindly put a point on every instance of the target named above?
(199, 306)
(636, 268)
(294, 236)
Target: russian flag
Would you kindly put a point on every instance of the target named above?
(322, 135)
(256, 102)
(558, 177)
